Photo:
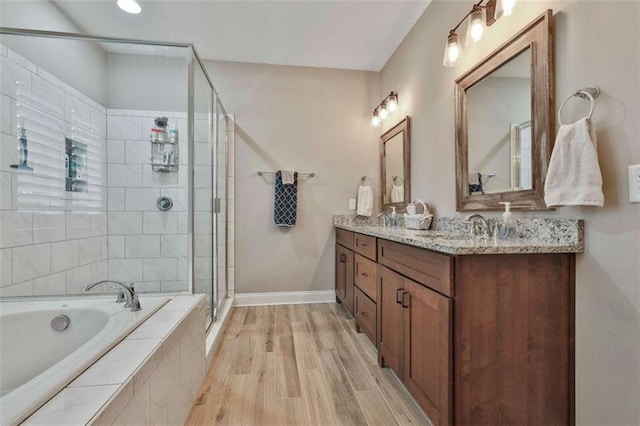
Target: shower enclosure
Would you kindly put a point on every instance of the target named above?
(113, 165)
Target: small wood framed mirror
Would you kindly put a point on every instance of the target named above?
(505, 123)
(395, 166)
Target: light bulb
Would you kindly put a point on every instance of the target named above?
(392, 103)
(375, 120)
(504, 7)
(475, 27)
(382, 112)
(452, 50)
(129, 6)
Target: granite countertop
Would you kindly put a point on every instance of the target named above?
(558, 236)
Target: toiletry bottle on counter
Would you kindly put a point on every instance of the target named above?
(394, 217)
(507, 228)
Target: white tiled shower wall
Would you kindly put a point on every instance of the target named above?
(52, 242)
(149, 246)
(146, 245)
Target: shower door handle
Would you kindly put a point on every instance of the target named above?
(216, 205)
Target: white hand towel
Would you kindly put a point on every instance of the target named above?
(287, 176)
(397, 193)
(365, 201)
(574, 176)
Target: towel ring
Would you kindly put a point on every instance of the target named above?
(363, 180)
(590, 93)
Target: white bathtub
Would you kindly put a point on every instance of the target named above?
(36, 362)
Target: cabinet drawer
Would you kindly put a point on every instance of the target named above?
(427, 268)
(366, 276)
(365, 245)
(344, 238)
(365, 313)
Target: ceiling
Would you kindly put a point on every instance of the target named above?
(359, 35)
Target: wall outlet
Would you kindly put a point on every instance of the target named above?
(352, 203)
(634, 183)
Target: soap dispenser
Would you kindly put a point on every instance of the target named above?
(507, 228)
(394, 218)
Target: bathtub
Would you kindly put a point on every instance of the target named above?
(36, 361)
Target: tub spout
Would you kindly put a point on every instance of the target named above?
(130, 296)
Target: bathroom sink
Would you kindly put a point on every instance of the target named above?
(443, 235)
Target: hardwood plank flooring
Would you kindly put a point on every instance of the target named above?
(299, 365)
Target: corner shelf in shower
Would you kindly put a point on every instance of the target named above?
(164, 156)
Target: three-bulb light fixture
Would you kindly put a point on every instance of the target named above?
(388, 104)
(479, 14)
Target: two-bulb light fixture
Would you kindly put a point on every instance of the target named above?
(477, 17)
(388, 104)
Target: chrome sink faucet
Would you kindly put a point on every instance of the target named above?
(383, 216)
(485, 225)
(130, 296)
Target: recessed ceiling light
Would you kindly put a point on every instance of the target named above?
(129, 6)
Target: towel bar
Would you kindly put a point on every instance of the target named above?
(260, 173)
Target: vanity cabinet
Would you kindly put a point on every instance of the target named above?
(344, 277)
(416, 330)
(475, 338)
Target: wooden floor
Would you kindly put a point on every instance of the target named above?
(299, 365)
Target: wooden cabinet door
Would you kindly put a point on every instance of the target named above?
(390, 320)
(428, 366)
(344, 277)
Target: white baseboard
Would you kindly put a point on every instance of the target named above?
(284, 298)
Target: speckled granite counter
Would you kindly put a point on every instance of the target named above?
(451, 236)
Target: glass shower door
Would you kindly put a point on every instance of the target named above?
(222, 197)
(203, 146)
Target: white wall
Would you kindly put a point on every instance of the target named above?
(312, 120)
(149, 80)
(82, 65)
(597, 43)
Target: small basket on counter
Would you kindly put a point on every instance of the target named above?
(416, 220)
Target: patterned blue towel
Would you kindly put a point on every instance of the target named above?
(286, 202)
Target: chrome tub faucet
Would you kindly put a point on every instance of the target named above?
(127, 291)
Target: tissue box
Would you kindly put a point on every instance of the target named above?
(417, 221)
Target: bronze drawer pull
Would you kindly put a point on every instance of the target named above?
(364, 274)
(398, 291)
(364, 245)
(406, 293)
(364, 314)
(343, 258)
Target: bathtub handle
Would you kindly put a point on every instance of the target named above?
(135, 304)
(120, 295)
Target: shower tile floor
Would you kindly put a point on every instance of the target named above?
(299, 365)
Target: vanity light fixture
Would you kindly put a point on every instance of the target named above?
(129, 6)
(381, 112)
(475, 26)
(392, 103)
(478, 16)
(375, 120)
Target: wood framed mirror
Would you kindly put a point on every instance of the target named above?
(395, 166)
(505, 123)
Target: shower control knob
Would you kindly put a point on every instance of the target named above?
(164, 203)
